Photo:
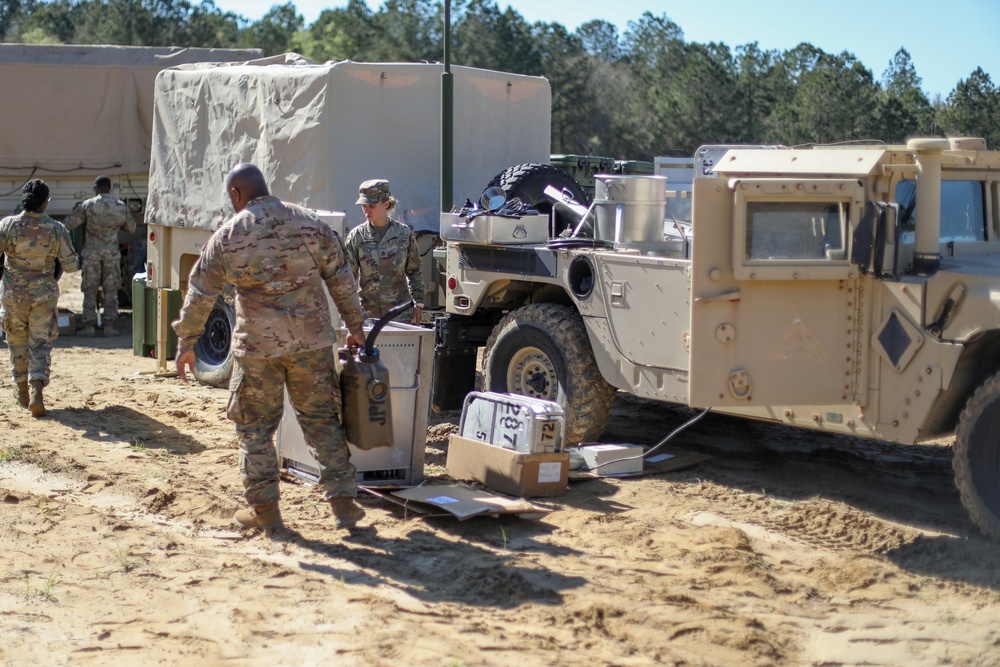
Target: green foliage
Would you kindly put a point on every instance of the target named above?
(635, 95)
(973, 109)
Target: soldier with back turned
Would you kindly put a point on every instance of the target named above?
(282, 261)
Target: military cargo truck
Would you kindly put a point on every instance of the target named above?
(845, 289)
(73, 112)
(317, 131)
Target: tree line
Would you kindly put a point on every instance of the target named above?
(634, 95)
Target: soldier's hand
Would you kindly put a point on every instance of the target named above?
(355, 341)
(417, 311)
(185, 358)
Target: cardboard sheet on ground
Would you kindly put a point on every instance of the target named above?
(663, 460)
(460, 501)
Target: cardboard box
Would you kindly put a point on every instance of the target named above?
(507, 471)
(67, 323)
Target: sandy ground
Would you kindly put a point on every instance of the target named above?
(786, 548)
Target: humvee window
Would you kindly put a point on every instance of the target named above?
(963, 216)
(795, 230)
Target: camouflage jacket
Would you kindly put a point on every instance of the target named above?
(388, 271)
(282, 261)
(31, 243)
(104, 216)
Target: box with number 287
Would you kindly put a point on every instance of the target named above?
(518, 423)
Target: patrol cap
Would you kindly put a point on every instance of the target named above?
(373, 191)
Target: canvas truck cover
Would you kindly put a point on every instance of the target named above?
(84, 109)
(318, 131)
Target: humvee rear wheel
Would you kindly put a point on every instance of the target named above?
(542, 351)
(977, 457)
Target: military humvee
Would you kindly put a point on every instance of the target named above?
(854, 290)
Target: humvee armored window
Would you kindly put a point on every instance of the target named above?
(795, 230)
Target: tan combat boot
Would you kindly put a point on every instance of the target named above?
(86, 331)
(35, 403)
(21, 393)
(109, 329)
(346, 512)
(259, 516)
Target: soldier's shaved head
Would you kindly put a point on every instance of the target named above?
(245, 182)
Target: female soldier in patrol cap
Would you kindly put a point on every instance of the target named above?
(383, 256)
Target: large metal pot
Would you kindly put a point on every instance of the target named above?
(629, 209)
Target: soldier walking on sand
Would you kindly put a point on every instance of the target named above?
(104, 216)
(282, 261)
(31, 243)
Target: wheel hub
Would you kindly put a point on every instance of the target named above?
(531, 373)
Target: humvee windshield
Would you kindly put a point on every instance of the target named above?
(963, 216)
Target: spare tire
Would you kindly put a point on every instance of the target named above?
(527, 182)
(213, 352)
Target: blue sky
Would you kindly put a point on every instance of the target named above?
(946, 40)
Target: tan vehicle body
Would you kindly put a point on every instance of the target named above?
(801, 295)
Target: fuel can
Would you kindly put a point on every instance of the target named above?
(364, 388)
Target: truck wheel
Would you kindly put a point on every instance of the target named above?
(542, 350)
(213, 354)
(977, 457)
(527, 182)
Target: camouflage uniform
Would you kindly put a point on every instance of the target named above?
(104, 216)
(388, 271)
(31, 244)
(282, 261)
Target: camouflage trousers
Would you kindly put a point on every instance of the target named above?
(31, 325)
(256, 404)
(99, 274)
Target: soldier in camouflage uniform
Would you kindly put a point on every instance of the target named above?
(282, 261)
(31, 243)
(104, 216)
(384, 257)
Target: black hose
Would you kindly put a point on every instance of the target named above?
(370, 350)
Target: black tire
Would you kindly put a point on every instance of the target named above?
(213, 352)
(527, 182)
(977, 457)
(542, 350)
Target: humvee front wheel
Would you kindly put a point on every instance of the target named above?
(977, 457)
(542, 350)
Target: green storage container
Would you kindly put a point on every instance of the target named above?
(583, 168)
(144, 312)
(634, 167)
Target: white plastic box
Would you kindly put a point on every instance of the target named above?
(407, 352)
(518, 423)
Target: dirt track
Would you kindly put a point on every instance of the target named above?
(787, 548)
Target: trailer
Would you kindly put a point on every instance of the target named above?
(74, 112)
(316, 131)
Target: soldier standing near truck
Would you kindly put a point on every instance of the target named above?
(384, 256)
(31, 243)
(282, 260)
(104, 216)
